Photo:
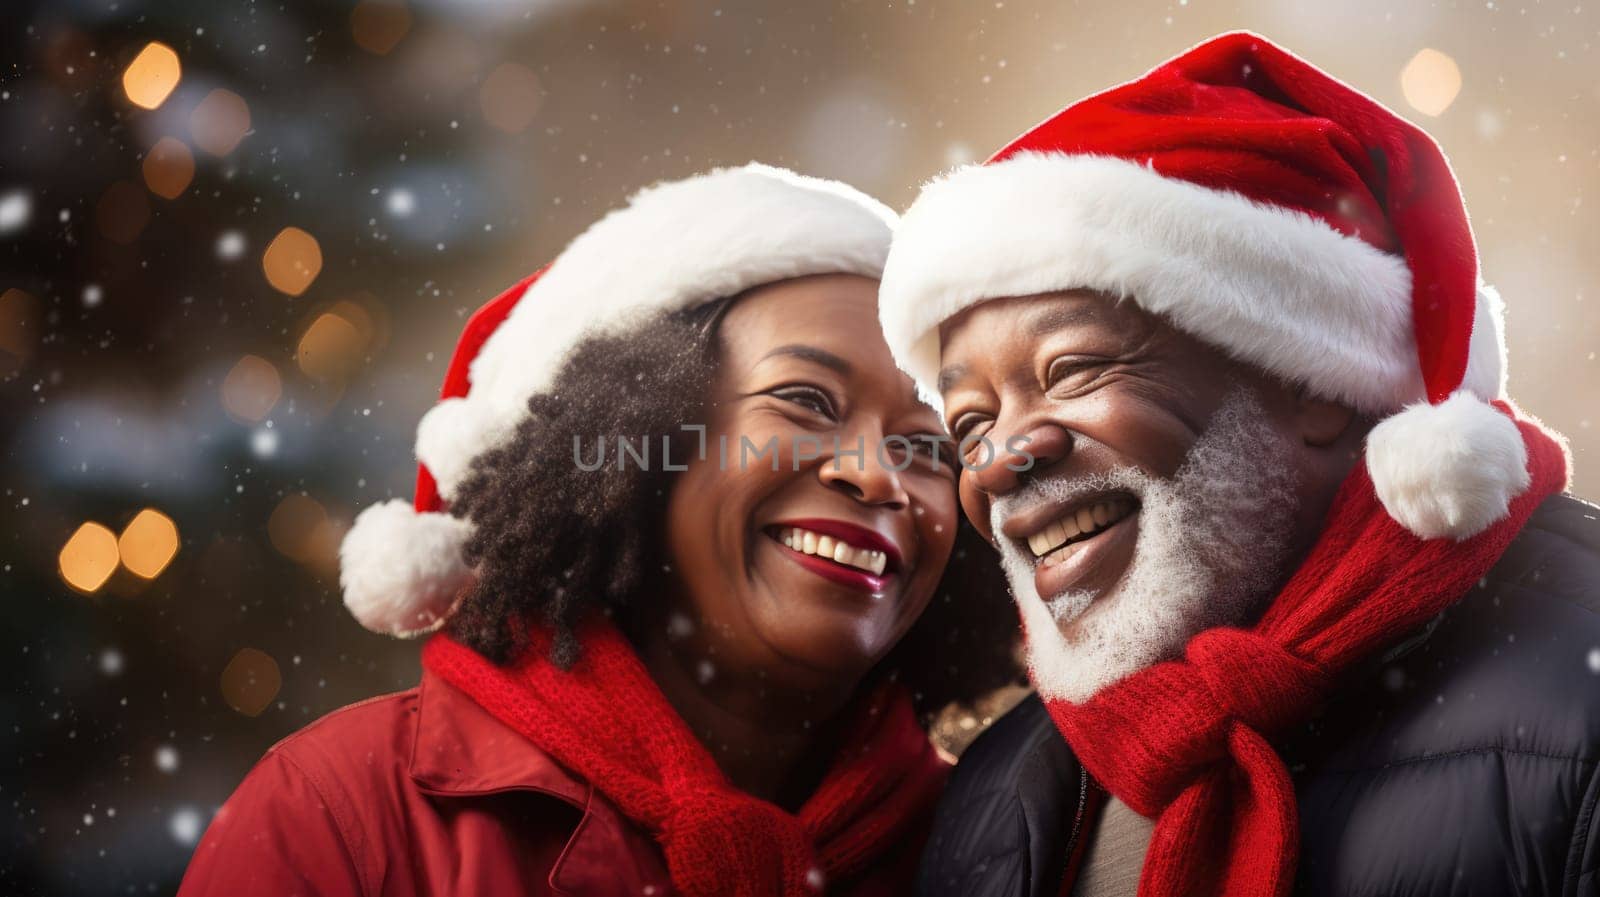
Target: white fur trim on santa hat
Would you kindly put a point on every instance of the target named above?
(1273, 287)
(674, 245)
(401, 570)
(455, 431)
(1486, 359)
(1448, 470)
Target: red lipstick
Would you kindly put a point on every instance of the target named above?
(851, 534)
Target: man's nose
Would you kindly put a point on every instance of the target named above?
(1019, 455)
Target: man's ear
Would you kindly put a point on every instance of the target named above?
(1321, 423)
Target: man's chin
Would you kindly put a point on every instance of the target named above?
(1083, 639)
(1067, 608)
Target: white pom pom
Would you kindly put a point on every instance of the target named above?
(1449, 469)
(401, 570)
(455, 431)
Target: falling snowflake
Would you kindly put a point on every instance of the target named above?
(230, 245)
(679, 625)
(167, 758)
(264, 442)
(401, 202)
(185, 826)
(16, 207)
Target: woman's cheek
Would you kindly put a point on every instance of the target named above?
(760, 441)
(936, 509)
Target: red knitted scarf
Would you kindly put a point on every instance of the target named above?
(1185, 742)
(605, 720)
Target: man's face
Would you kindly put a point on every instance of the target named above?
(1164, 495)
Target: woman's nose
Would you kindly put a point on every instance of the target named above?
(859, 470)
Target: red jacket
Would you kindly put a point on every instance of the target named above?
(418, 793)
(425, 793)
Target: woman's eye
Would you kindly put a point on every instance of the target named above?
(936, 449)
(931, 451)
(808, 397)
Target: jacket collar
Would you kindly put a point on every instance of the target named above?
(460, 750)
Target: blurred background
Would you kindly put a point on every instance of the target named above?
(237, 241)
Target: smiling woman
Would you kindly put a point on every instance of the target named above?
(807, 367)
(761, 643)
(701, 675)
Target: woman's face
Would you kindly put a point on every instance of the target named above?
(801, 553)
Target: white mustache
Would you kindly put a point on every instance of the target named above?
(1058, 490)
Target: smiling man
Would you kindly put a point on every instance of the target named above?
(1306, 608)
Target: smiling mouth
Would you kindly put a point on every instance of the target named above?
(831, 548)
(1050, 545)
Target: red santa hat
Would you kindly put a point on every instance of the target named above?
(1270, 210)
(674, 246)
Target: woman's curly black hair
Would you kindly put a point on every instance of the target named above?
(552, 539)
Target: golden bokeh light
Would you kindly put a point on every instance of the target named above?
(219, 122)
(1430, 82)
(378, 26)
(122, 212)
(251, 681)
(510, 97)
(292, 261)
(368, 316)
(150, 78)
(19, 313)
(359, 309)
(251, 388)
(168, 168)
(322, 547)
(294, 527)
(89, 558)
(148, 543)
(331, 347)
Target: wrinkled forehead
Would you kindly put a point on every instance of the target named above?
(994, 334)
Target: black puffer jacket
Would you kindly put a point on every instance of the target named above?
(1463, 763)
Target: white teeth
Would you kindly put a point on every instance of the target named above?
(1065, 529)
(1039, 543)
(836, 550)
(1084, 521)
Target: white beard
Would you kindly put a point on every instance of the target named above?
(1212, 542)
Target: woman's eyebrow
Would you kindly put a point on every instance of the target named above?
(812, 354)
